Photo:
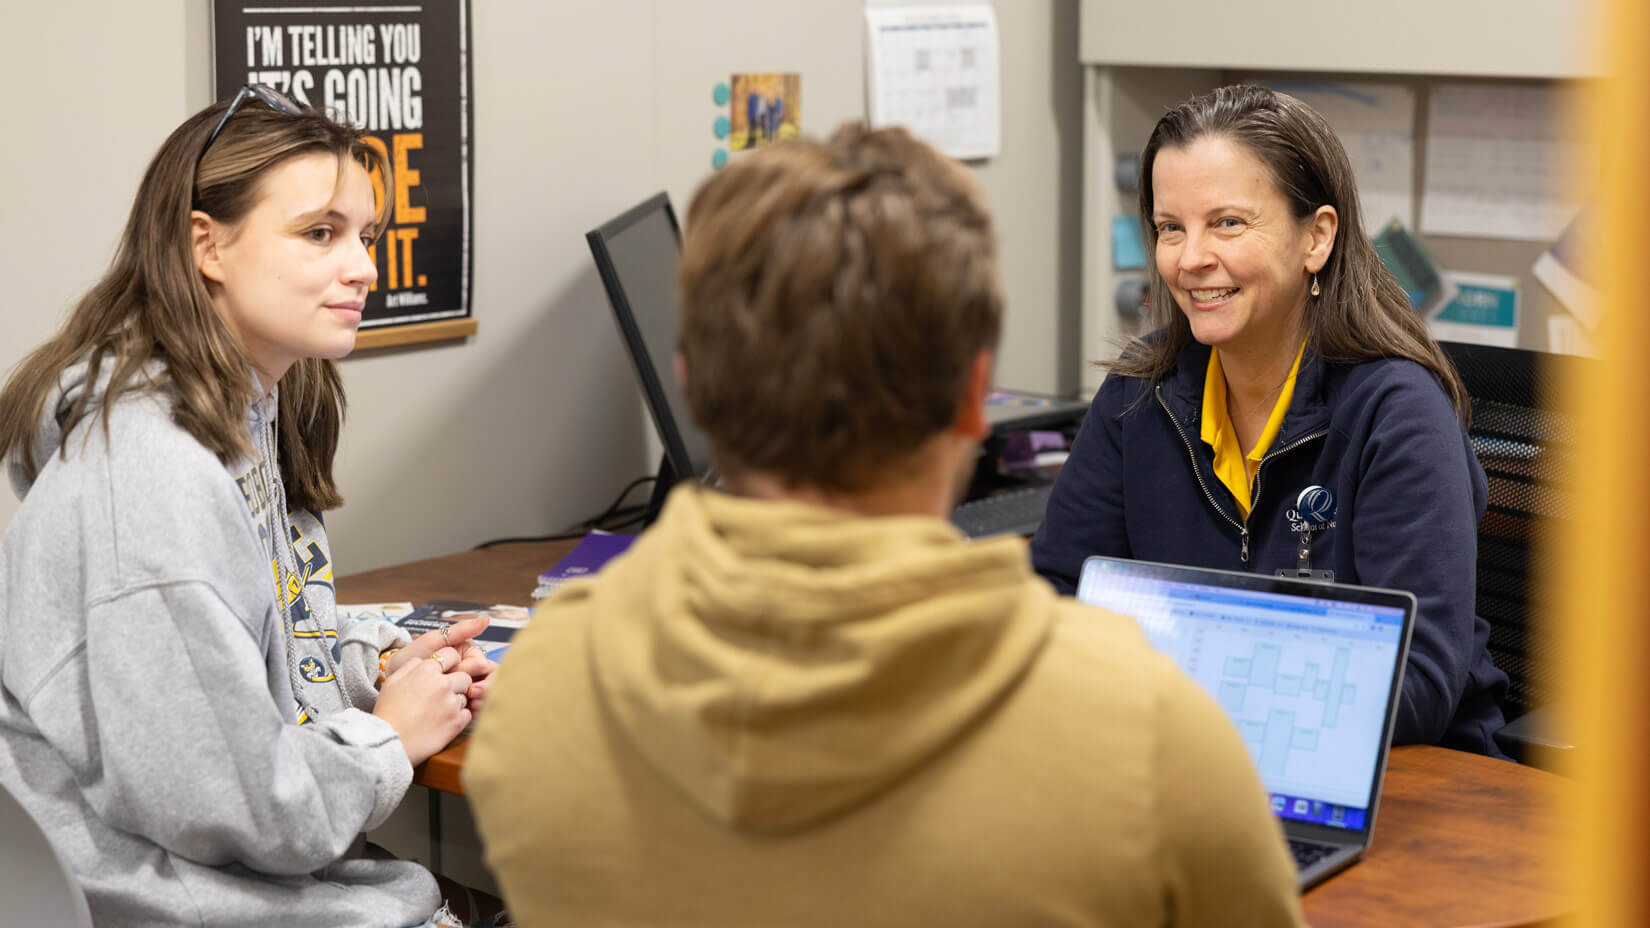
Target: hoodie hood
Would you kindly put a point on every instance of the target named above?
(72, 384)
(783, 663)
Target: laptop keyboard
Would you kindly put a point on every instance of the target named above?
(1014, 511)
(1308, 853)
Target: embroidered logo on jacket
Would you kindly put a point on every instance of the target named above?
(1314, 511)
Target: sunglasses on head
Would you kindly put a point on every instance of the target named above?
(274, 99)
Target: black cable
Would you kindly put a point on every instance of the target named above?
(565, 536)
(633, 514)
(633, 520)
(613, 509)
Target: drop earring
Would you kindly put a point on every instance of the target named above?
(1314, 285)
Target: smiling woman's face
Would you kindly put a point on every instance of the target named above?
(292, 277)
(1235, 259)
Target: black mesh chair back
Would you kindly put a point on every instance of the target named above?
(1521, 441)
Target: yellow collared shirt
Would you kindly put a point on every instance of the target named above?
(1234, 468)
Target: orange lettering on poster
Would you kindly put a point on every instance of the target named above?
(406, 178)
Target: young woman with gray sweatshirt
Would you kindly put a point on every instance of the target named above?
(180, 709)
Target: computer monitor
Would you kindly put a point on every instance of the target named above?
(637, 254)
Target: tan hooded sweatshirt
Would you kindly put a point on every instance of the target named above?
(774, 714)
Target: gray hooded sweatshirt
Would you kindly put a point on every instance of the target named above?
(178, 707)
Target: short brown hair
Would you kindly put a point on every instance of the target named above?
(834, 296)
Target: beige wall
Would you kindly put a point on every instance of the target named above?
(1035, 188)
(535, 422)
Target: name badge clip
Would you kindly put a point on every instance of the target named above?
(1314, 511)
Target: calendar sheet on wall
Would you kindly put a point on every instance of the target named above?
(934, 70)
(1498, 162)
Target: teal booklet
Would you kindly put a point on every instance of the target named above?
(1428, 290)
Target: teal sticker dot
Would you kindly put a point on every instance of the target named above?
(720, 159)
(723, 127)
(723, 94)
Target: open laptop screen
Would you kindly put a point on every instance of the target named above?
(1306, 671)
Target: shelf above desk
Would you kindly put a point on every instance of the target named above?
(1140, 60)
(1545, 39)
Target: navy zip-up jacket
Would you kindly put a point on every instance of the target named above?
(1409, 493)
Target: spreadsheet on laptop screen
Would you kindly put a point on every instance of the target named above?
(1305, 680)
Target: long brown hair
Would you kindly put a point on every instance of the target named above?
(152, 305)
(1361, 313)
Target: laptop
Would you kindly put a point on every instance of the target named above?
(1309, 672)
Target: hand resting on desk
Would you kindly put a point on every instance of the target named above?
(458, 640)
(434, 688)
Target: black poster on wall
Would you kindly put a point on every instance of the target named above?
(402, 73)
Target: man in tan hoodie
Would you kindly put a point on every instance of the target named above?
(805, 699)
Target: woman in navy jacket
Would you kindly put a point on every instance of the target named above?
(1286, 358)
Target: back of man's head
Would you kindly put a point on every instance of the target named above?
(835, 296)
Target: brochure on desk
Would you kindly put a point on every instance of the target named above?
(494, 640)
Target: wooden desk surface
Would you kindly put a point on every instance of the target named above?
(500, 574)
(1460, 839)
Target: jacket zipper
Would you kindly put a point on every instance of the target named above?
(1242, 527)
(1254, 495)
